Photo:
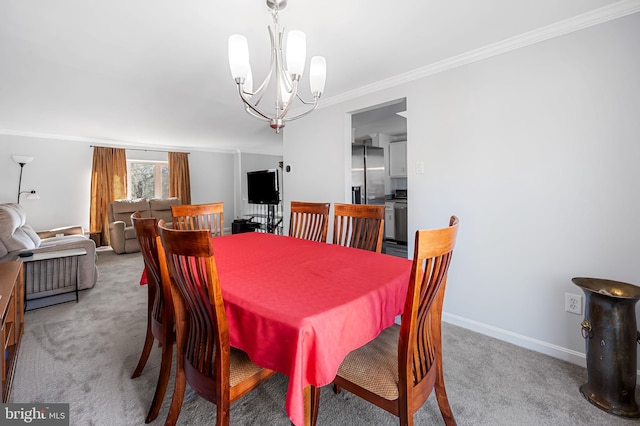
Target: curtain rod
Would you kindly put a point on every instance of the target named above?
(136, 149)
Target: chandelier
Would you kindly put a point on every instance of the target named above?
(285, 79)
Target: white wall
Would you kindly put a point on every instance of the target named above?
(212, 181)
(61, 174)
(537, 152)
(252, 162)
(318, 149)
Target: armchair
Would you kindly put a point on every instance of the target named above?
(122, 234)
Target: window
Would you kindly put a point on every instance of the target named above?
(147, 179)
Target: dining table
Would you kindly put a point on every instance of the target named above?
(299, 307)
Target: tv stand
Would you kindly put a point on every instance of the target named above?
(269, 218)
(240, 226)
(272, 221)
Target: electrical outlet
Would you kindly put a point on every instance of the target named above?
(573, 303)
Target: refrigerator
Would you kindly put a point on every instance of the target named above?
(367, 175)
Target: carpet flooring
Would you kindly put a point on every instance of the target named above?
(84, 353)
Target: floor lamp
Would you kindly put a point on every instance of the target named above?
(22, 160)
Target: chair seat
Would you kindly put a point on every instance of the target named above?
(240, 367)
(374, 366)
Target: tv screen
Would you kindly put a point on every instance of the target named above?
(262, 187)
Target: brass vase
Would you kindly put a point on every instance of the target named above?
(611, 334)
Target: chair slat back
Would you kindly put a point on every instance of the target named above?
(309, 221)
(146, 233)
(199, 216)
(201, 323)
(359, 226)
(420, 330)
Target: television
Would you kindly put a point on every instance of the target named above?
(262, 187)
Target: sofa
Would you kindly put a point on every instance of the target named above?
(17, 237)
(122, 234)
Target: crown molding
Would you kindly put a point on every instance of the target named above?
(134, 145)
(576, 23)
(112, 142)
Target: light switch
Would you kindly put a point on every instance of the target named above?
(419, 167)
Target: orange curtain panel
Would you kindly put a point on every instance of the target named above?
(179, 178)
(108, 183)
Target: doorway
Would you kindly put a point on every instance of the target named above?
(385, 126)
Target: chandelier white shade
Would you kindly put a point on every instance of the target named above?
(283, 77)
(239, 56)
(317, 75)
(296, 52)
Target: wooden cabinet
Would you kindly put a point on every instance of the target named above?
(398, 159)
(12, 316)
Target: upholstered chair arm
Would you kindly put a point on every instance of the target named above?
(116, 236)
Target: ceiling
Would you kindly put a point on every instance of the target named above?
(155, 72)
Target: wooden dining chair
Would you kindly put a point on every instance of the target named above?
(217, 372)
(159, 310)
(309, 221)
(398, 370)
(199, 216)
(359, 226)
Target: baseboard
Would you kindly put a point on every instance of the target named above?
(540, 346)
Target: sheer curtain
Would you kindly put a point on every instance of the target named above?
(108, 183)
(179, 178)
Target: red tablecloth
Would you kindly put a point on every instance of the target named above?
(299, 307)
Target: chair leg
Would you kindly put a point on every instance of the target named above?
(311, 404)
(148, 340)
(441, 396)
(146, 350)
(163, 381)
(405, 416)
(178, 391)
(222, 411)
(336, 389)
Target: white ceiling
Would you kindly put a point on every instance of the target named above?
(155, 72)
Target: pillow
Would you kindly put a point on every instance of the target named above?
(161, 208)
(157, 204)
(123, 209)
(130, 206)
(12, 234)
(3, 250)
(9, 221)
(32, 234)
